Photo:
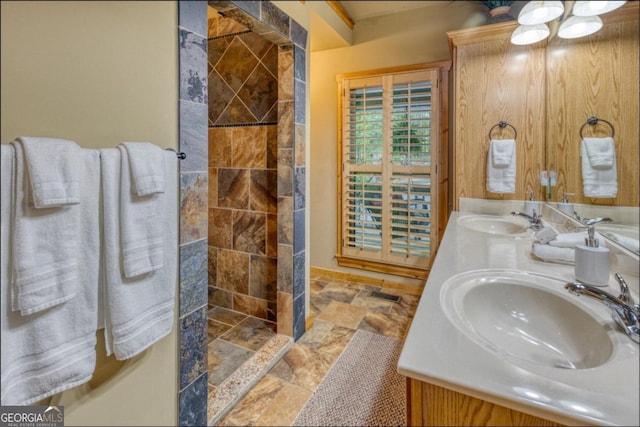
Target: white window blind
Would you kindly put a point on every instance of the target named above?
(388, 130)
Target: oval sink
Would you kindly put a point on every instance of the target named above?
(493, 225)
(521, 316)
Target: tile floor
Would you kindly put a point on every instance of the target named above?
(339, 308)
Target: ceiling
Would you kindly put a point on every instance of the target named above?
(359, 10)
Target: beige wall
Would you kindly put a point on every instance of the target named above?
(99, 73)
(406, 38)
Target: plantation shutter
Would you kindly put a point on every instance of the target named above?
(386, 200)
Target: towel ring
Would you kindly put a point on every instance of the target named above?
(503, 124)
(180, 155)
(593, 121)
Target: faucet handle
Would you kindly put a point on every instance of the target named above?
(625, 295)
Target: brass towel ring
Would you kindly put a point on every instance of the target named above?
(503, 124)
(593, 121)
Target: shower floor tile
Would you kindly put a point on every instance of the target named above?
(224, 359)
(251, 333)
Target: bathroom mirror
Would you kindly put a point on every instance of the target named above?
(596, 76)
(625, 228)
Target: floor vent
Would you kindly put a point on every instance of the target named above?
(388, 297)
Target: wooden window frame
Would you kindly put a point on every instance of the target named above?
(440, 208)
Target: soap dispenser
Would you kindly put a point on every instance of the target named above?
(592, 261)
(531, 206)
(564, 204)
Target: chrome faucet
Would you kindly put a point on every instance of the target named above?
(623, 309)
(535, 220)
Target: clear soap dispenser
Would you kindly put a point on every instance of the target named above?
(564, 204)
(531, 206)
(592, 260)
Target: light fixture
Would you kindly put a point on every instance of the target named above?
(539, 12)
(528, 34)
(591, 8)
(579, 26)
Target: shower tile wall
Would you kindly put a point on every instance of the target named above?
(243, 114)
(285, 155)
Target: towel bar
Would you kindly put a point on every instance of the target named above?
(503, 124)
(180, 155)
(593, 121)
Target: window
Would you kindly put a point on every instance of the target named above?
(388, 140)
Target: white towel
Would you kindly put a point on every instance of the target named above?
(502, 150)
(53, 350)
(45, 246)
(138, 311)
(53, 172)
(601, 152)
(501, 168)
(598, 182)
(141, 222)
(146, 162)
(570, 240)
(554, 254)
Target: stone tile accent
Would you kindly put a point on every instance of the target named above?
(193, 67)
(192, 403)
(193, 276)
(190, 16)
(193, 342)
(193, 136)
(193, 206)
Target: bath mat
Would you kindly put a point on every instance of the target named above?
(362, 388)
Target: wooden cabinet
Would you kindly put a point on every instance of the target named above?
(430, 405)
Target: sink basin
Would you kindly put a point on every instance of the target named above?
(524, 316)
(505, 226)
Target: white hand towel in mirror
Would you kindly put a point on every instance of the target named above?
(53, 350)
(45, 246)
(53, 170)
(501, 178)
(146, 162)
(141, 222)
(598, 183)
(601, 152)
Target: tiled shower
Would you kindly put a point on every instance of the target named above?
(243, 168)
(246, 181)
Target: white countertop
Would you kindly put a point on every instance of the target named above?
(438, 352)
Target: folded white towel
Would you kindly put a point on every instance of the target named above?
(598, 182)
(502, 150)
(570, 240)
(554, 254)
(601, 152)
(45, 246)
(501, 177)
(53, 172)
(141, 222)
(53, 350)
(545, 235)
(138, 311)
(146, 162)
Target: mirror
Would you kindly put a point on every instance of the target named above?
(596, 76)
(624, 230)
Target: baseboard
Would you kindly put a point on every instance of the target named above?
(341, 275)
(308, 323)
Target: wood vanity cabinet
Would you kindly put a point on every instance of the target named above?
(431, 405)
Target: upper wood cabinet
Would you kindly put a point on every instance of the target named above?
(546, 91)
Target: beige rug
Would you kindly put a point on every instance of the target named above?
(361, 389)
